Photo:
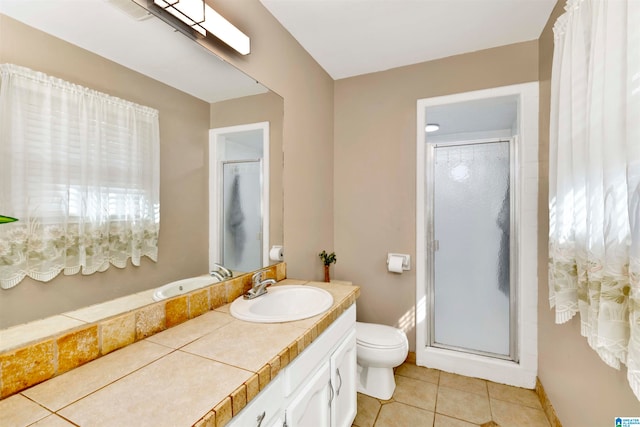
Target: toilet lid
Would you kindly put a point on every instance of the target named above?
(374, 335)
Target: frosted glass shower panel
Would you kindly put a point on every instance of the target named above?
(242, 215)
(471, 259)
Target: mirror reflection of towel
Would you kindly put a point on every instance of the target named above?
(235, 219)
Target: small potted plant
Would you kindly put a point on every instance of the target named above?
(327, 260)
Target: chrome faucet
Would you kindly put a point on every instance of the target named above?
(221, 273)
(258, 286)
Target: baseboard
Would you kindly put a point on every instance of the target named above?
(546, 405)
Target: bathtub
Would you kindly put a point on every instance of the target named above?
(183, 286)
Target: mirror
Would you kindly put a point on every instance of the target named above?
(116, 47)
(239, 196)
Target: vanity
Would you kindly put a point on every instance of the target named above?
(212, 370)
(318, 388)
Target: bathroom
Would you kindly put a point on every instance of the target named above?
(348, 185)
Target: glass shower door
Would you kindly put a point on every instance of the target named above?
(471, 232)
(242, 215)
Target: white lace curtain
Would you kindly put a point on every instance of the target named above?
(594, 177)
(80, 170)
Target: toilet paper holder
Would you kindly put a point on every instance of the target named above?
(406, 260)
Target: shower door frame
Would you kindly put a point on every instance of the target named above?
(513, 246)
(217, 137)
(523, 372)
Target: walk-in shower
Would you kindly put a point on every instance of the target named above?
(476, 234)
(471, 228)
(239, 196)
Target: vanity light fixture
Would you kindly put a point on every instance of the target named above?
(202, 18)
(431, 127)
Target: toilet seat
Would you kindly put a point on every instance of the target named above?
(377, 336)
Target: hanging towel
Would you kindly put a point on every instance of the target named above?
(235, 220)
(504, 224)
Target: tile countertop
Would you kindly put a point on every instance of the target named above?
(200, 373)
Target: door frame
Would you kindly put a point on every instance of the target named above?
(216, 156)
(523, 372)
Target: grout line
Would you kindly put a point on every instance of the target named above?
(435, 405)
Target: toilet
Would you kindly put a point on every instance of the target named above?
(379, 349)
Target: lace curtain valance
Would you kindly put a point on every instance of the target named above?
(80, 170)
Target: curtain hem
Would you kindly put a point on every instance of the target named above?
(47, 276)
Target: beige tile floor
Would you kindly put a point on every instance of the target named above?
(431, 398)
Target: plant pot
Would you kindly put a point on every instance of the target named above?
(326, 273)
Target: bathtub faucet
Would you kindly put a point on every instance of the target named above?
(258, 286)
(217, 275)
(220, 272)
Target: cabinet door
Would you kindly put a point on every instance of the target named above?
(264, 410)
(311, 407)
(278, 422)
(343, 380)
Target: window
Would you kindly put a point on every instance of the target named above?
(80, 169)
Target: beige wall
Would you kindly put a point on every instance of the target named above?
(184, 123)
(268, 107)
(375, 167)
(583, 390)
(280, 63)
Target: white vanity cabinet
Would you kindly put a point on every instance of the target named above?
(344, 373)
(329, 398)
(317, 389)
(311, 406)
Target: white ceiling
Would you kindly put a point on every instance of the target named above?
(148, 46)
(353, 37)
(346, 37)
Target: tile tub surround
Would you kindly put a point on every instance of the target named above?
(37, 351)
(199, 373)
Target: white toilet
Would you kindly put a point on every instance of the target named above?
(379, 349)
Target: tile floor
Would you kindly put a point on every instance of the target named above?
(431, 398)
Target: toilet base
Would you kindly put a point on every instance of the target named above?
(376, 382)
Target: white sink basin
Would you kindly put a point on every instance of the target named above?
(283, 304)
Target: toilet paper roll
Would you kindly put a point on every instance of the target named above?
(395, 264)
(276, 253)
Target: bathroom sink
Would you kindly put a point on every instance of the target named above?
(284, 303)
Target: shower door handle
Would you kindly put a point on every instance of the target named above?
(435, 245)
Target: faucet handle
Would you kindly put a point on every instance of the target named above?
(225, 272)
(257, 277)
